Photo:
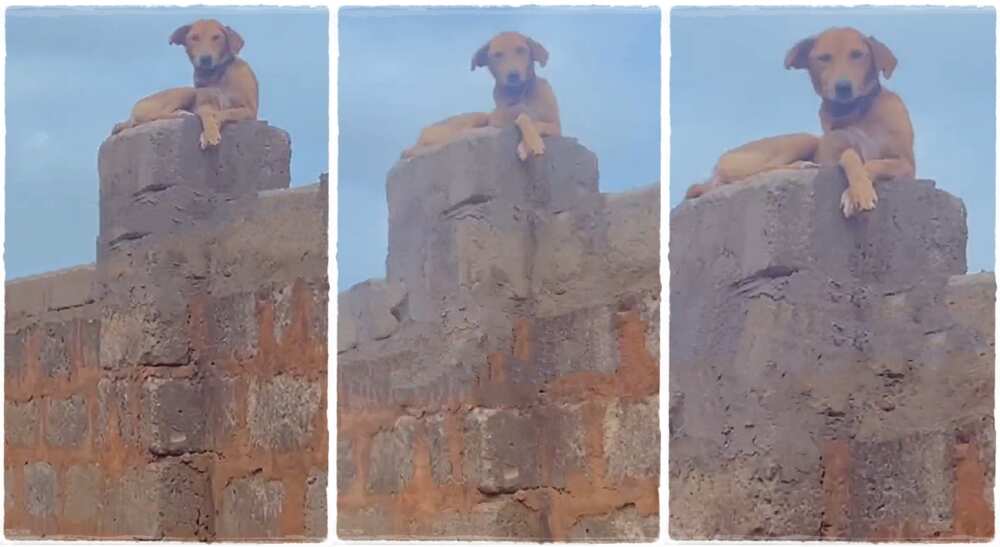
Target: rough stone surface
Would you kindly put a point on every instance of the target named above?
(625, 524)
(66, 422)
(346, 469)
(176, 416)
(316, 505)
(21, 422)
(162, 500)
(54, 352)
(251, 508)
(391, 465)
(504, 518)
(632, 439)
(368, 311)
(41, 489)
(58, 290)
(83, 487)
(827, 362)
(281, 411)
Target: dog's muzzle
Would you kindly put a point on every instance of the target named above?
(843, 90)
(205, 61)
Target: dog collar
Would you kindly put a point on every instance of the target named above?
(205, 78)
(858, 106)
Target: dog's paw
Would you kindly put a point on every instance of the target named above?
(210, 138)
(853, 201)
(522, 151)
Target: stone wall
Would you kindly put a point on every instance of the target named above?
(176, 388)
(829, 378)
(502, 381)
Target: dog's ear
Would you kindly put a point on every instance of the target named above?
(233, 40)
(798, 56)
(884, 59)
(538, 52)
(179, 35)
(481, 57)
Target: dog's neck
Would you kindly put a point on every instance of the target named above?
(843, 113)
(510, 96)
(211, 76)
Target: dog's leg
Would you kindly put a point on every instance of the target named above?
(445, 131)
(860, 194)
(889, 169)
(531, 140)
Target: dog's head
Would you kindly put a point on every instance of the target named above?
(208, 43)
(843, 63)
(511, 57)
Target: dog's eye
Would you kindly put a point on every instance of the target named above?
(856, 54)
(825, 58)
(216, 37)
(195, 37)
(522, 50)
(497, 54)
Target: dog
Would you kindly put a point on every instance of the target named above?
(522, 98)
(866, 128)
(225, 87)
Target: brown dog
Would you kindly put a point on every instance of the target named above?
(866, 128)
(522, 98)
(225, 88)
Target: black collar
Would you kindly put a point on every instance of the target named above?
(205, 78)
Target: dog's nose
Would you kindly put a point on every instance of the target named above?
(513, 78)
(205, 60)
(843, 89)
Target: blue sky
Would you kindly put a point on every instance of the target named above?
(729, 86)
(402, 69)
(72, 73)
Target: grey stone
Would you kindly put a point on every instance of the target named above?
(21, 423)
(281, 412)
(632, 439)
(346, 469)
(366, 523)
(32, 296)
(370, 310)
(625, 524)
(54, 353)
(437, 435)
(251, 509)
(13, 354)
(315, 516)
(83, 493)
(162, 500)
(391, 465)
(42, 489)
(503, 448)
(67, 421)
(584, 340)
(503, 518)
(176, 416)
(232, 330)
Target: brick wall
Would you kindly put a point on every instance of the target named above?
(502, 381)
(829, 378)
(176, 388)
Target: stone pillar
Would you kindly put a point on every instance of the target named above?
(826, 373)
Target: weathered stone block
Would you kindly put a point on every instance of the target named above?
(624, 524)
(232, 327)
(84, 487)
(504, 518)
(281, 412)
(54, 353)
(509, 450)
(176, 414)
(9, 498)
(66, 421)
(391, 465)
(346, 469)
(13, 354)
(144, 334)
(41, 489)
(438, 438)
(31, 296)
(315, 516)
(585, 340)
(632, 439)
(365, 524)
(22, 423)
(370, 310)
(163, 500)
(251, 509)
(114, 412)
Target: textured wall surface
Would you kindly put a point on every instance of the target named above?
(502, 380)
(829, 378)
(176, 388)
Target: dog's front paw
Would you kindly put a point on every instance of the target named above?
(210, 137)
(522, 151)
(855, 200)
